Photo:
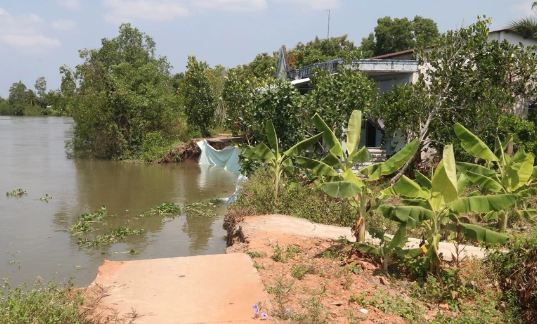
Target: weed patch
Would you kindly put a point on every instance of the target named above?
(17, 193)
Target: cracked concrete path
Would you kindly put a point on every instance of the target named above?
(302, 227)
(188, 290)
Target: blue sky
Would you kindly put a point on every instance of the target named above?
(39, 36)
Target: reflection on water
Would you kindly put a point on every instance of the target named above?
(34, 237)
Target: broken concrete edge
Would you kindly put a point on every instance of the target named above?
(240, 227)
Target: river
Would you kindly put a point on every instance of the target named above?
(34, 236)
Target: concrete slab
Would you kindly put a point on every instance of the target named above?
(188, 290)
(303, 227)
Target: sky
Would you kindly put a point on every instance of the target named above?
(37, 37)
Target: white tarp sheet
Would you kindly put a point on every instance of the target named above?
(227, 158)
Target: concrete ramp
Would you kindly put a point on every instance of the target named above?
(188, 290)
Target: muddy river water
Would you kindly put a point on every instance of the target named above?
(34, 236)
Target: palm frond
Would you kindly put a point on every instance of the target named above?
(527, 27)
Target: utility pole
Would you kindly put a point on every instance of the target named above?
(328, 35)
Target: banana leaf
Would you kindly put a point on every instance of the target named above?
(478, 233)
(444, 182)
(482, 204)
(362, 156)
(407, 188)
(397, 161)
(484, 182)
(473, 145)
(272, 138)
(341, 189)
(260, 152)
(527, 213)
(408, 216)
(423, 180)
(303, 145)
(328, 135)
(332, 160)
(368, 249)
(353, 132)
(475, 168)
(317, 167)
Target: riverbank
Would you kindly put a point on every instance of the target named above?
(190, 152)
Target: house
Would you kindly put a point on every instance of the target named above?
(386, 73)
(522, 105)
(388, 70)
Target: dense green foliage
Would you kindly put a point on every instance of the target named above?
(335, 96)
(197, 96)
(321, 50)
(399, 34)
(516, 273)
(46, 304)
(469, 80)
(124, 97)
(297, 198)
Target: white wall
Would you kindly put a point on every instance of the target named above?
(511, 37)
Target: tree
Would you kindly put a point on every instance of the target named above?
(321, 50)
(124, 97)
(336, 96)
(17, 99)
(398, 34)
(217, 78)
(197, 96)
(468, 80)
(264, 65)
(5, 110)
(41, 86)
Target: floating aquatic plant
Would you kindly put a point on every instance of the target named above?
(16, 193)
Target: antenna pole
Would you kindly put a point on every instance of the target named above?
(328, 35)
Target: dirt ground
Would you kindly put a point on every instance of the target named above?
(335, 277)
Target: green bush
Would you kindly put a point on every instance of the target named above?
(44, 304)
(297, 198)
(516, 272)
(124, 93)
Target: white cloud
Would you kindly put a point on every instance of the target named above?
(22, 33)
(232, 5)
(71, 4)
(118, 11)
(156, 10)
(67, 25)
(317, 4)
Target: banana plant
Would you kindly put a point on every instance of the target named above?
(500, 173)
(271, 156)
(436, 205)
(341, 180)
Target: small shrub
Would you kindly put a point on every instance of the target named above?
(256, 254)
(516, 271)
(298, 271)
(292, 251)
(281, 291)
(41, 304)
(315, 312)
(277, 254)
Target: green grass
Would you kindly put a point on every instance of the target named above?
(43, 304)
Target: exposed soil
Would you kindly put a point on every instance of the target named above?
(334, 280)
(190, 152)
